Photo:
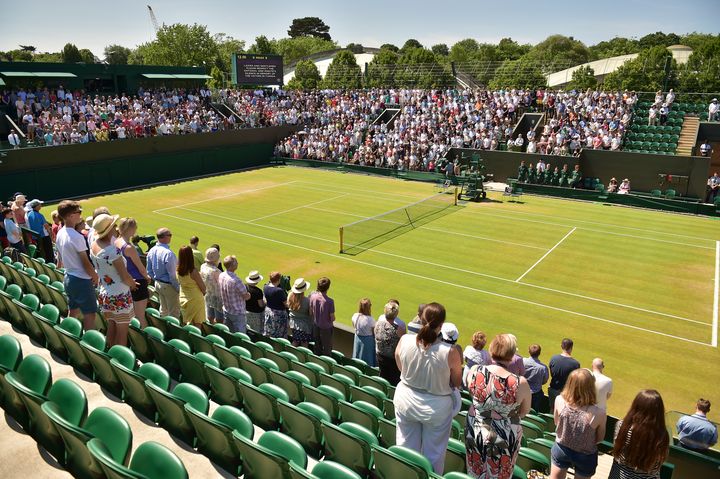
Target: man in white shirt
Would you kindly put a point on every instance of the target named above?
(80, 276)
(603, 384)
(14, 139)
(713, 109)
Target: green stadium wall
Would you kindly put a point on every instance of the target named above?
(53, 173)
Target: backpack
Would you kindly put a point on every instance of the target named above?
(13, 254)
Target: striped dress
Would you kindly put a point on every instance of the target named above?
(620, 470)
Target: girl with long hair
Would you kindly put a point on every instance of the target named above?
(641, 439)
(192, 288)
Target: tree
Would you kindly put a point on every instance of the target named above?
(419, 68)
(116, 54)
(87, 56)
(309, 26)
(558, 52)
(180, 45)
(355, 48)
(226, 46)
(658, 39)
(509, 49)
(293, 49)
(583, 78)
(440, 49)
(71, 54)
(520, 73)
(702, 71)
(644, 73)
(411, 43)
(464, 51)
(613, 48)
(47, 57)
(307, 76)
(262, 46)
(389, 46)
(381, 70)
(27, 48)
(19, 56)
(343, 71)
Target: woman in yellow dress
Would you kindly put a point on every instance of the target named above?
(192, 288)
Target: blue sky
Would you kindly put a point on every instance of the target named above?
(370, 22)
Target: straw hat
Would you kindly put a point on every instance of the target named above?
(253, 277)
(300, 286)
(103, 224)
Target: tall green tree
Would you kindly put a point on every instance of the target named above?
(293, 49)
(464, 51)
(509, 49)
(658, 39)
(71, 54)
(644, 73)
(226, 46)
(343, 71)
(441, 49)
(19, 56)
(614, 47)
(355, 48)
(263, 46)
(309, 26)
(702, 71)
(307, 76)
(87, 56)
(180, 45)
(410, 43)
(419, 68)
(381, 70)
(583, 78)
(389, 46)
(116, 54)
(520, 73)
(558, 52)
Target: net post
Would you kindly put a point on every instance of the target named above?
(455, 196)
(341, 239)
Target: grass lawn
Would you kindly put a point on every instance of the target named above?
(635, 287)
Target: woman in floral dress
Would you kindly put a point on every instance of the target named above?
(500, 400)
(116, 284)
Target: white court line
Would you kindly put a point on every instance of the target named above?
(714, 341)
(436, 280)
(297, 208)
(434, 229)
(226, 196)
(461, 270)
(545, 255)
(358, 190)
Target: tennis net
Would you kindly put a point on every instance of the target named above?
(369, 232)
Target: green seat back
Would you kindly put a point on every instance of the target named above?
(361, 432)
(323, 398)
(208, 359)
(94, 339)
(347, 449)
(333, 470)
(239, 374)
(10, 353)
(258, 462)
(193, 396)
(413, 456)
(123, 355)
(268, 363)
(154, 332)
(240, 351)
(362, 413)
(155, 461)
(214, 437)
(261, 405)
(455, 456)
(303, 425)
(284, 446)
(299, 377)
(223, 387)
(290, 386)
(530, 459)
(387, 430)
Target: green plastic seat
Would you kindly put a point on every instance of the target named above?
(348, 370)
(215, 435)
(387, 432)
(670, 193)
(456, 475)
(455, 456)
(164, 353)
(150, 461)
(103, 371)
(310, 370)
(257, 372)
(302, 422)
(192, 367)
(337, 381)
(224, 387)
(361, 412)
(350, 445)
(137, 339)
(71, 404)
(33, 375)
(529, 459)
(70, 332)
(22, 312)
(281, 361)
(11, 354)
(369, 394)
(57, 291)
(377, 382)
(49, 314)
(153, 318)
(333, 470)
(541, 445)
(327, 397)
(289, 384)
(271, 456)
(133, 384)
(260, 403)
(255, 351)
(530, 430)
(171, 408)
(52, 337)
(226, 357)
(398, 462)
(102, 423)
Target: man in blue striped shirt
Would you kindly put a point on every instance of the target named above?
(161, 267)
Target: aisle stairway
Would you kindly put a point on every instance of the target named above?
(688, 135)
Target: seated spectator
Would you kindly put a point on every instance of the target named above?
(624, 187)
(696, 432)
(641, 439)
(613, 185)
(580, 426)
(575, 180)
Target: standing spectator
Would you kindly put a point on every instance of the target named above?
(713, 187)
(641, 439)
(276, 315)
(416, 324)
(192, 288)
(234, 294)
(299, 312)
(14, 235)
(515, 365)
(500, 399)
(387, 336)
(580, 425)
(561, 365)
(475, 354)
(127, 228)
(161, 266)
(449, 334)
(713, 110)
(197, 254)
(423, 400)
(652, 116)
(39, 225)
(255, 305)
(210, 275)
(603, 384)
(322, 310)
(14, 139)
(364, 341)
(536, 374)
(57, 224)
(80, 276)
(116, 283)
(696, 432)
(399, 322)
(18, 208)
(706, 148)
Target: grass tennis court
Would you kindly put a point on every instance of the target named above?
(635, 287)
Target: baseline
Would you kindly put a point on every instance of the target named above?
(714, 340)
(440, 281)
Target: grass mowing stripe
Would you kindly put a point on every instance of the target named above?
(296, 208)
(545, 255)
(228, 196)
(436, 280)
(449, 267)
(714, 341)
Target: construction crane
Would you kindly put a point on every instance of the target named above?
(153, 19)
